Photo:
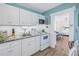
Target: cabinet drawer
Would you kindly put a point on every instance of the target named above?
(15, 51)
(3, 51)
(14, 48)
(4, 45)
(11, 48)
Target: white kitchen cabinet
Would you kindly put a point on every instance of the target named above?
(3, 49)
(24, 47)
(24, 17)
(37, 43)
(29, 18)
(30, 45)
(11, 48)
(34, 45)
(34, 19)
(14, 48)
(9, 15)
(2, 14)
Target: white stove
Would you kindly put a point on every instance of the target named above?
(44, 41)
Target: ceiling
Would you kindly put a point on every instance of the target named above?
(39, 7)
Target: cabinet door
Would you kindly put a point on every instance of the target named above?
(3, 49)
(2, 14)
(25, 47)
(37, 43)
(34, 19)
(24, 17)
(28, 46)
(31, 45)
(29, 18)
(11, 48)
(14, 48)
(9, 15)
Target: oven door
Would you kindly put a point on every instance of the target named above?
(44, 39)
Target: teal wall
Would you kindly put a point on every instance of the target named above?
(76, 22)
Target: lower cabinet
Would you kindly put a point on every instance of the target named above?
(11, 48)
(30, 46)
(14, 48)
(37, 43)
(3, 49)
(24, 47)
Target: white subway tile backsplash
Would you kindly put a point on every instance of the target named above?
(19, 29)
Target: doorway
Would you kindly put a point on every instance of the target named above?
(62, 29)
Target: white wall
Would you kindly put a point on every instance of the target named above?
(40, 27)
(62, 20)
(9, 29)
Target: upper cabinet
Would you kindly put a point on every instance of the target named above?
(25, 17)
(9, 15)
(29, 18)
